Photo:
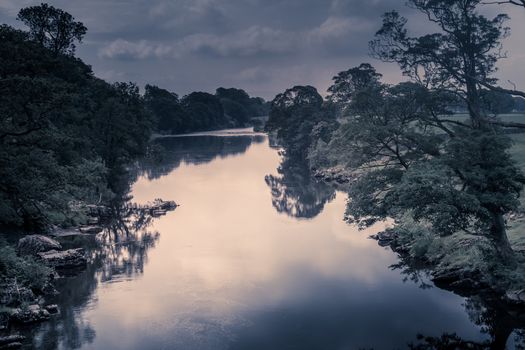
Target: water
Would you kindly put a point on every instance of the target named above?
(256, 257)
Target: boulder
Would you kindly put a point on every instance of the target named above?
(52, 308)
(34, 244)
(32, 313)
(91, 229)
(67, 259)
(385, 238)
(11, 341)
(158, 212)
(516, 297)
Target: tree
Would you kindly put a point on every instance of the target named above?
(348, 82)
(511, 2)
(477, 182)
(65, 136)
(239, 106)
(166, 108)
(293, 116)
(52, 28)
(203, 111)
(496, 103)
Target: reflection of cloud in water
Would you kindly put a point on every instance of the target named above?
(230, 272)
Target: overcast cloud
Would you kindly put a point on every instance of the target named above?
(262, 46)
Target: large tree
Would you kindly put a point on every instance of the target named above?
(463, 179)
(53, 28)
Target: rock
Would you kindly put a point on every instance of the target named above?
(11, 339)
(158, 212)
(99, 211)
(52, 308)
(516, 297)
(91, 229)
(34, 244)
(68, 259)
(165, 205)
(385, 238)
(31, 314)
(65, 232)
(93, 220)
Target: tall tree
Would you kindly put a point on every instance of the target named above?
(460, 59)
(53, 28)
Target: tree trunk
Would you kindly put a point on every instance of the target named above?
(499, 236)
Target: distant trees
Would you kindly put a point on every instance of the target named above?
(166, 108)
(495, 103)
(52, 28)
(294, 115)
(200, 111)
(204, 111)
(240, 106)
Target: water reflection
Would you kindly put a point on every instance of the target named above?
(119, 253)
(503, 325)
(296, 192)
(230, 272)
(170, 152)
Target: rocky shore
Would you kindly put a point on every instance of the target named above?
(463, 280)
(21, 304)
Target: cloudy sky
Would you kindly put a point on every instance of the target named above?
(262, 46)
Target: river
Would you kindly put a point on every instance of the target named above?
(257, 256)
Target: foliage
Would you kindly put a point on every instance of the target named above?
(201, 111)
(52, 28)
(477, 181)
(65, 136)
(25, 270)
(293, 116)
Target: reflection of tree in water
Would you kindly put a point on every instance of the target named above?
(297, 193)
(497, 320)
(170, 152)
(119, 252)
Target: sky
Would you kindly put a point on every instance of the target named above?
(261, 46)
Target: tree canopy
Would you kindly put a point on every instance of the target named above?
(53, 28)
(65, 135)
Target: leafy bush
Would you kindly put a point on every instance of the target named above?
(26, 271)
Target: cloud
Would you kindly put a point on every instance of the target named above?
(126, 50)
(252, 41)
(264, 46)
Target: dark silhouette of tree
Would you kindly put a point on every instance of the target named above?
(294, 115)
(52, 28)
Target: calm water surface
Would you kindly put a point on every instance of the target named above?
(256, 257)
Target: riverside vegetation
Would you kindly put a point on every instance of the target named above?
(68, 141)
(450, 184)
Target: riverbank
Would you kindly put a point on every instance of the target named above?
(30, 267)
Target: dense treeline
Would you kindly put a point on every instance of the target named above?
(65, 135)
(199, 111)
(404, 152)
